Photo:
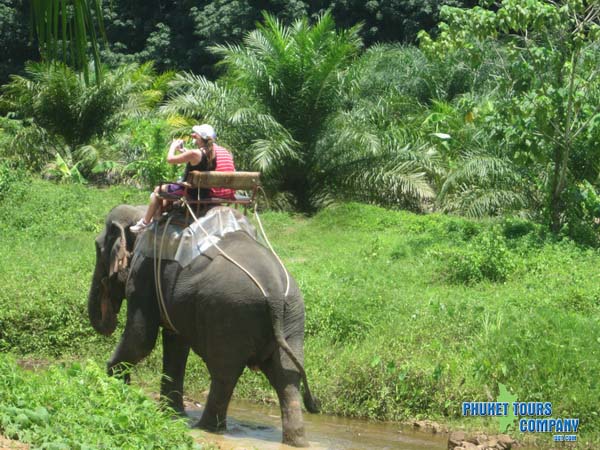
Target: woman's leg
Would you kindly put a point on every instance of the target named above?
(153, 206)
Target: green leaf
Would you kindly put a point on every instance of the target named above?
(376, 361)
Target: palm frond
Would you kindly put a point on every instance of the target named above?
(480, 169)
(479, 202)
(73, 21)
(269, 152)
(394, 184)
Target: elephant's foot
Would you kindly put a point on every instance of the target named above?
(176, 412)
(213, 424)
(175, 405)
(295, 438)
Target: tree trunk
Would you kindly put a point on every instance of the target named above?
(556, 204)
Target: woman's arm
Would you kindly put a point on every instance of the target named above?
(187, 155)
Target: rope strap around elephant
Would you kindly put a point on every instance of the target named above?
(262, 230)
(157, 278)
(225, 255)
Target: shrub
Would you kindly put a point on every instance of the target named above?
(80, 407)
(465, 228)
(513, 227)
(10, 173)
(582, 215)
(145, 149)
(486, 258)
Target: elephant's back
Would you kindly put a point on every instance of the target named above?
(241, 262)
(219, 297)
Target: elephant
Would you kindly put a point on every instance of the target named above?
(214, 308)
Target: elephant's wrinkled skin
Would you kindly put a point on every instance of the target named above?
(218, 312)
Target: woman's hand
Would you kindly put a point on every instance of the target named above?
(178, 144)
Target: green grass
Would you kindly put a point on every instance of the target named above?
(79, 407)
(399, 327)
(407, 315)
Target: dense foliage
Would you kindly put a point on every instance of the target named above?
(495, 114)
(407, 315)
(79, 407)
(14, 38)
(284, 97)
(545, 118)
(177, 34)
(72, 130)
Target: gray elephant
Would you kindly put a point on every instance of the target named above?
(216, 310)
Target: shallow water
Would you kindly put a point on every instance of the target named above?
(250, 426)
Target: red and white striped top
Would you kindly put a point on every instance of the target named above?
(224, 164)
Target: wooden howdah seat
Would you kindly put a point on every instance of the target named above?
(246, 185)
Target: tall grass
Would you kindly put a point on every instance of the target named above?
(399, 328)
(406, 315)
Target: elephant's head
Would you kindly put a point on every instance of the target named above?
(114, 246)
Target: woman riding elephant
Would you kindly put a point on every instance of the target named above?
(206, 156)
(229, 318)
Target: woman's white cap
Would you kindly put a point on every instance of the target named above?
(205, 131)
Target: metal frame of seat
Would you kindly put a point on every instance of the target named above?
(239, 181)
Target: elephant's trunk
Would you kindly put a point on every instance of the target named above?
(100, 307)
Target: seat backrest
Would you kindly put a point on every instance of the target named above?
(244, 181)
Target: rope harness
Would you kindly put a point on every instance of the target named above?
(262, 230)
(157, 278)
(225, 255)
(158, 262)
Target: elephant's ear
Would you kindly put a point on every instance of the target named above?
(119, 256)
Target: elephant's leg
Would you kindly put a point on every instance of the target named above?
(136, 343)
(286, 382)
(175, 354)
(214, 417)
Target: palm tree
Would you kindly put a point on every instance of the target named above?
(71, 116)
(284, 97)
(486, 184)
(439, 106)
(295, 74)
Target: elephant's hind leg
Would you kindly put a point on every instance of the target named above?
(286, 383)
(214, 417)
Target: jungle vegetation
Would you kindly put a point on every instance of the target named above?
(468, 112)
(491, 112)
(407, 315)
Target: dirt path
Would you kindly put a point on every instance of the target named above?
(9, 444)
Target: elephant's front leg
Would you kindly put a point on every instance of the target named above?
(175, 354)
(136, 343)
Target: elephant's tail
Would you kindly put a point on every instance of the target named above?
(311, 403)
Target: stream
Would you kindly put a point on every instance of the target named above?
(251, 425)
